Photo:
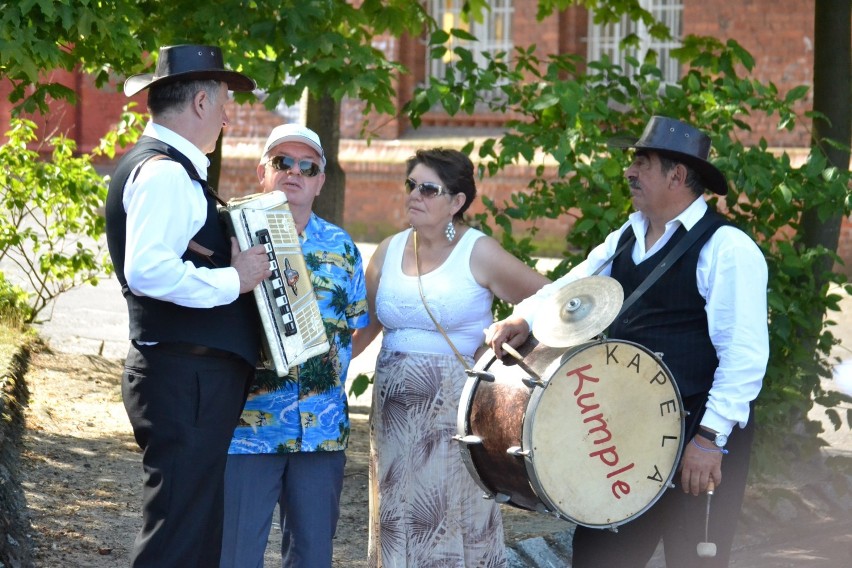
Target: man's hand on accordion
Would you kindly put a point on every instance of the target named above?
(251, 264)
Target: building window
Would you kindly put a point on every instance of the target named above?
(604, 39)
(494, 33)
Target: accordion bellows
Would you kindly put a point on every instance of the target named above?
(293, 329)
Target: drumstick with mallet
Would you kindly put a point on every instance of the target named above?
(520, 360)
(707, 549)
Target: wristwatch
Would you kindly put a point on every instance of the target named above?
(716, 437)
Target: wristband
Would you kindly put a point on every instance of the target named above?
(703, 449)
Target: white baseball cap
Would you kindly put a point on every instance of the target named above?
(293, 133)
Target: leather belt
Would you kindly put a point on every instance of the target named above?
(182, 348)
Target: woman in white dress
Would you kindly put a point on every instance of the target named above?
(425, 508)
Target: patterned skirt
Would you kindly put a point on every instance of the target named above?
(426, 511)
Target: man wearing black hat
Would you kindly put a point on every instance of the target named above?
(194, 328)
(707, 315)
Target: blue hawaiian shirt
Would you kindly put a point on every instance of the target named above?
(307, 411)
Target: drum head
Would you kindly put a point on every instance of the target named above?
(605, 433)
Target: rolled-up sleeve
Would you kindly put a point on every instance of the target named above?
(734, 277)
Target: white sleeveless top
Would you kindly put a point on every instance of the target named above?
(458, 302)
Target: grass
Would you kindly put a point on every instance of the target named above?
(9, 341)
(13, 334)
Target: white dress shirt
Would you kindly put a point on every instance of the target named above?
(732, 278)
(165, 209)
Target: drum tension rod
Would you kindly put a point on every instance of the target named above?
(518, 452)
(532, 383)
(534, 378)
(502, 498)
(481, 375)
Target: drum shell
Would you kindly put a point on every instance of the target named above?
(493, 407)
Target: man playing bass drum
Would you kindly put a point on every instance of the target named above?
(707, 314)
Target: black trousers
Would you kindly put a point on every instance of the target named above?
(183, 409)
(677, 518)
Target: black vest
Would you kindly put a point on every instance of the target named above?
(669, 318)
(234, 327)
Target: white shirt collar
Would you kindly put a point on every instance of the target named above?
(197, 157)
(688, 218)
(692, 214)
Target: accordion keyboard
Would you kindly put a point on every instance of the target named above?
(286, 243)
(293, 329)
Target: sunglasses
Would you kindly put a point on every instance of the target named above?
(428, 189)
(286, 164)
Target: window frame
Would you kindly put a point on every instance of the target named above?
(494, 35)
(603, 39)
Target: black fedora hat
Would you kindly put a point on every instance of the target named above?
(683, 143)
(189, 63)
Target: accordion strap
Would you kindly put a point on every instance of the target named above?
(190, 172)
(203, 251)
(428, 311)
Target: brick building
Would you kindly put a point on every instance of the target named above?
(778, 34)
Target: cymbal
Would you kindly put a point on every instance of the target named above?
(578, 311)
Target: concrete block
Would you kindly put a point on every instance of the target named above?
(540, 555)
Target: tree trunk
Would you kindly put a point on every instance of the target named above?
(322, 115)
(214, 170)
(832, 97)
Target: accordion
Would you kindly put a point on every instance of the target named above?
(293, 329)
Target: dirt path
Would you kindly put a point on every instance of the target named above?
(81, 476)
(80, 463)
(81, 472)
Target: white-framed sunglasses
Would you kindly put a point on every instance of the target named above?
(427, 189)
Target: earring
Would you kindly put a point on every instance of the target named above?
(450, 231)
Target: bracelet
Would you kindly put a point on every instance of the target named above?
(703, 449)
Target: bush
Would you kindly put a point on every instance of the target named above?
(14, 306)
(52, 229)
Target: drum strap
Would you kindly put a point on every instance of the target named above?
(428, 311)
(681, 247)
(608, 261)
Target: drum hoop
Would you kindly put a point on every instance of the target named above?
(535, 398)
(462, 427)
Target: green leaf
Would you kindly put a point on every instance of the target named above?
(359, 385)
(796, 93)
(462, 34)
(439, 37)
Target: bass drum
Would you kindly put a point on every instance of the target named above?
(592, 434)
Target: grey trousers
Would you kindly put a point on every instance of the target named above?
(307, 488)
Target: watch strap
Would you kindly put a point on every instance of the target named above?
(706, 434)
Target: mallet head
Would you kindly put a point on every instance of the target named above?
(706, 549)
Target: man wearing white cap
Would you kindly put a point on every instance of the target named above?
(289, 446)
(194, 328)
